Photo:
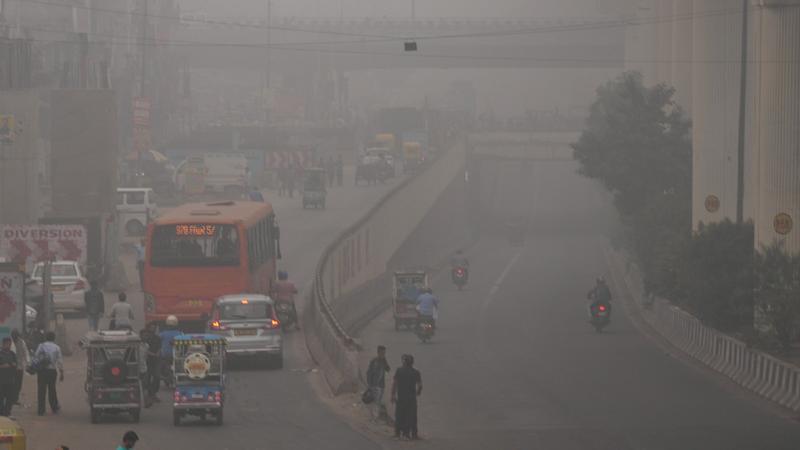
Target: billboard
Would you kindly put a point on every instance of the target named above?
(29, 244)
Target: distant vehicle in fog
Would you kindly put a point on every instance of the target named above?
(136, 207)
(221, 172)
(67, 283)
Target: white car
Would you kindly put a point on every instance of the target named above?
(136, 207)
(67, 284)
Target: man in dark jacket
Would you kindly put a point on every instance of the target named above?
(8, 376)
(95, 305)
(376, 380)
(406, 387)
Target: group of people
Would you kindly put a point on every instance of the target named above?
(158, 344)
(46, 363)
(120, 316)
(406, 387)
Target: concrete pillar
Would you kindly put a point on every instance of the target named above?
(716, 43)
(775, 132)
(682, 53)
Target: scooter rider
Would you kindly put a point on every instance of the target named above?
(459, 260)
(284, 291)
(427, 304)
(600, 294)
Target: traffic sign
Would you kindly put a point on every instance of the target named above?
(783, 223)
(712, 203)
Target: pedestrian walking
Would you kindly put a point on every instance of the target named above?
(376, 381)
(122, 314)
(50, 364)
(140, 257)
(95, 305)
(23, 359)
(406, 387)
(129, 440)
(8, 376)
(339, 171)
(152, 379)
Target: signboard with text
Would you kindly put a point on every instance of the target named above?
(29, 244)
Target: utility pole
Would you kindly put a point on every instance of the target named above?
(144, 50)
(413, 10)
(268, 55)
(742, 119)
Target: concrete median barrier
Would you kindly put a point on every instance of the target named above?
(351, 271)
(756, 371)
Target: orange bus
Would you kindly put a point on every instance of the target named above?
(198, 252)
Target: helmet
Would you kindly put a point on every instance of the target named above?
(172, 320)
(283, 275)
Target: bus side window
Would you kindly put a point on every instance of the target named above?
(265, 240)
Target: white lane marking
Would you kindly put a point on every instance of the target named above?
(500, 279)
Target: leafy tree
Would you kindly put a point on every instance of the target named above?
(717, 274)
(777, 276)
(636, 142)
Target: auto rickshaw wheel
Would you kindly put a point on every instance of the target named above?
(136, 415)
(176, 418)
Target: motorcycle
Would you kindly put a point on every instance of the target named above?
(601, 316)
(284, 312)
(460, 276)
(424, 330)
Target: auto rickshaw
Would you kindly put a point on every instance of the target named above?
(412, 156)
(115, 365)
(314, 191)
(12, 436)
(199, 368)
(406, 287)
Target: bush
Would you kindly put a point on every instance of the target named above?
(717, 275)
(777, 277)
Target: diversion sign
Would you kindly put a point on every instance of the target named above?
(29, 244)
(12, 306)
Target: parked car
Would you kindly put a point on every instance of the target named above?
(67, 284)
(250, 325)
(135, 206)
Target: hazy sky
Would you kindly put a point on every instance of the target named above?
(430, 8)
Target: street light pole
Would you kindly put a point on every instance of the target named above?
(742, 119)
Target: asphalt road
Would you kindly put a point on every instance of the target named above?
(515, 365)
(265, 409)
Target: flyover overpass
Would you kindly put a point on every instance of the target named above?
(356, 44)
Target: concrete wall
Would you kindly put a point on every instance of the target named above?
(19, 193)
(774, 135)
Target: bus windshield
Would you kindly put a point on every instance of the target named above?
(194, 244)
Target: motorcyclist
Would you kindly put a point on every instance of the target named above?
(284, 291)
(427, 304)
(167, 335)
(600, 294)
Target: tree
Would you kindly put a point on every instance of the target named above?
(636, 142)
(777, 276)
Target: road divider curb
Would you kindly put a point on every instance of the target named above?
(357, 259)
(756, 371)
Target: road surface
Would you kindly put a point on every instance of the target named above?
(515, 365)
(265, 409)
